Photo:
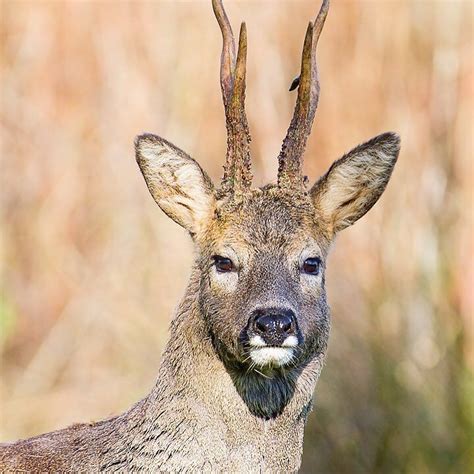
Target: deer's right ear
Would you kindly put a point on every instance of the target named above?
(177, 183)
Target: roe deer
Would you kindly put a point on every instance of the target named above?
(248, 342)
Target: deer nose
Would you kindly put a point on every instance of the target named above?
(274, 325)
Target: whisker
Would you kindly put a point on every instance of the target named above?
(262, 374)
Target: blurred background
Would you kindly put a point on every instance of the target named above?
(91, 269)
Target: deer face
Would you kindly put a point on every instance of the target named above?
(262, 254)
(262, 263)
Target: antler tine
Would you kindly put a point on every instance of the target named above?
(238, 93)
(228, 50)
(290, 158)
(317, 28)
(237, 175)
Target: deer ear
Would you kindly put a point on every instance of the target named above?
(177, 183)
(354, 183)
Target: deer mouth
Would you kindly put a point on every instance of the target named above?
(263, 354)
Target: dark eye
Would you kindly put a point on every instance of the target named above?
(311, 265)
(223, 264)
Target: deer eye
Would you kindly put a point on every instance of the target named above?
(312, 265)
(223, 264)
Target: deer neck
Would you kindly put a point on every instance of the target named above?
(212, 414)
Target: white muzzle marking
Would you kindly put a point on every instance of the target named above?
(263, 355)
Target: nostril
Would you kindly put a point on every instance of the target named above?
(274, 323)
(261, 324)
(286, 324)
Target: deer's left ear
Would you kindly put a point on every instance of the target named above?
(354, 183)
(177, 183)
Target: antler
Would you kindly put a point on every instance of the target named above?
(237, 175)
(290, 158)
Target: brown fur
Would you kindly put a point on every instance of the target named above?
(217, 406)
(209, 410)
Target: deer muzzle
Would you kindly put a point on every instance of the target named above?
(272, 336)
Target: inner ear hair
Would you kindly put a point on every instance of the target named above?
(354, 183)
(177, 183)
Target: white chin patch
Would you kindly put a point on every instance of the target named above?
(263, 355)
(271, 355)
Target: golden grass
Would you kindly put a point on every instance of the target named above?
(92, 269)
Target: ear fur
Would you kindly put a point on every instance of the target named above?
(177, 183)
(355, 182)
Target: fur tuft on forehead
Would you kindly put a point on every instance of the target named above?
(269, 214)
(269, 195)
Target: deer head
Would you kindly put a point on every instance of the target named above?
(261, 253)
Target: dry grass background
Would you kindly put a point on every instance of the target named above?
(91, 269)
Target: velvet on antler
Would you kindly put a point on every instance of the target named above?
(290, 159)
(237, 169)
(237, 173)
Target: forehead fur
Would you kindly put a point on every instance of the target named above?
(268, 215)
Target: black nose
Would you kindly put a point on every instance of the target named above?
(274, 325)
